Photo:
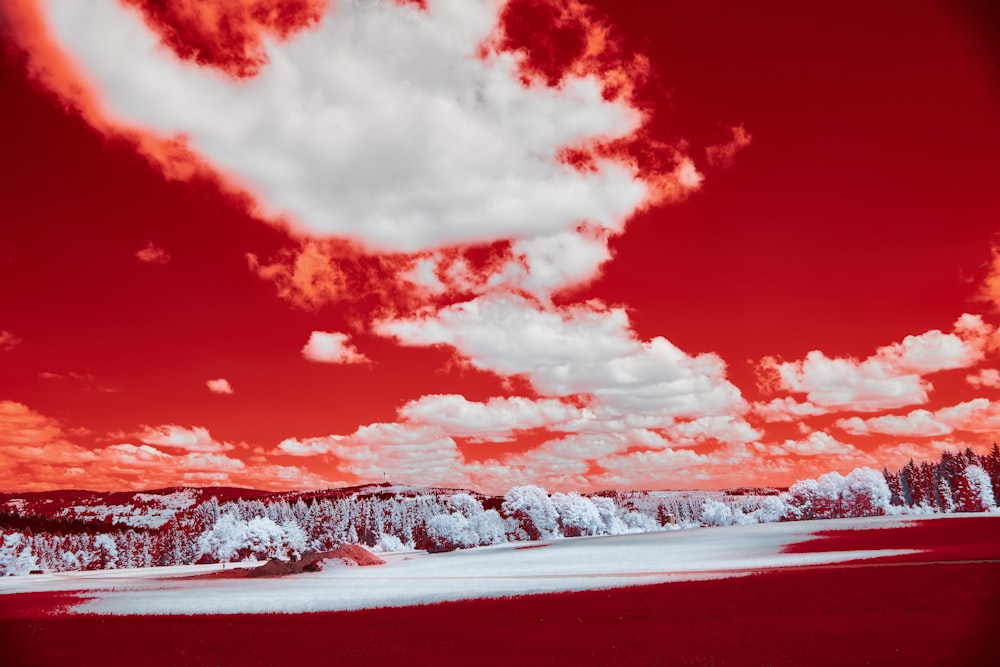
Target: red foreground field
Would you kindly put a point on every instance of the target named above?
(941, 607)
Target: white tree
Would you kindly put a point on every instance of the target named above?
(637, 522)
(980, 486)
(389, 543)
(16, 557)
(107, 551)
(232, 538)
(489, 526)
(577, 515)
(716, 513)
(606, 509)
(771, 510)
(866, 493)
(532, 508)
(465, 504)
(447, 532)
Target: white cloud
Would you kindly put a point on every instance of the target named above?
(976, 416)
(987, 377)
(721, 428)
(918, 422)
(332, 348)
(219, 386)
(495, 420)
(817, 443)
(381, 124)
(786, 409)
(196, 439)
(578, 349)
(405, 453)
(890, 378)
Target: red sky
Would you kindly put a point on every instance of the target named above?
(683, 244)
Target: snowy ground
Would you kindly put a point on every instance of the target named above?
(417, 577)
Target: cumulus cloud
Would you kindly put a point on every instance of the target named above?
(448, 138)
(580, 439)
(495, 420)
(578, 349)
(917, 422)
(402, 452)
(38, 453)
(385, 123)
(151, 254)
(8, 341)
(672, 468)
(332, 348)
(817, 443)
(987, 377)
(786, 409)
(976, 416)
(219, 386)
(22, 428)
(725, 429)
(35, 452)
(890, 378)
(195, 439)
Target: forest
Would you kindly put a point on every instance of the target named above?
(63, 531)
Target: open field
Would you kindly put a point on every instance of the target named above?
(913, 592)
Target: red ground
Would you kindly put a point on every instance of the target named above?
(940, 612)
(966, 538)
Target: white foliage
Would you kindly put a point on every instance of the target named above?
(864, 492)
(388, 543)
(716, 513)
(532, 506)
(106, 547)
(867, 485)
(772, 509)
(16, 557)
(577, 515)
(256, 538)
(465, 504)
(613, 524)
(637, 522)
(451, 531)
(489, 526)
(982, 487)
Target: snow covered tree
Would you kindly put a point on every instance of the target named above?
(16, 557)
(233, 538)
(107, 551)
(975, 490)
(447, 532)
(771, 510)
(532, 509)
(716, 513)
(577, 515)
(865, 492)
(608, 512)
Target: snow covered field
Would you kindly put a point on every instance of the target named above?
(417, 577)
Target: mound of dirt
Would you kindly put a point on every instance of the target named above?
(347, 554)
(355, 554)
